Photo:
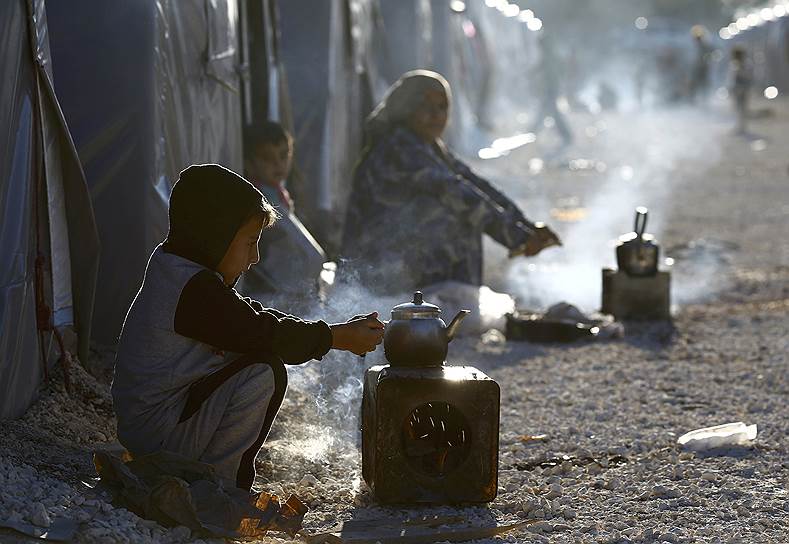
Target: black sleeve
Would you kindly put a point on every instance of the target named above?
(258, 307)
(210, 312)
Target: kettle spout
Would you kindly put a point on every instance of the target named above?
(455, 323)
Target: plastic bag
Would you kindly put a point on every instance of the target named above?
(719, 436)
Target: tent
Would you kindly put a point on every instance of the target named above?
(340, 57)
(778, 54)
(47, 230)
(148, 87)
(264, 87)
(330, 53)
(767, 48)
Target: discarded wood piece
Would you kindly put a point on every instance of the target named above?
(533, 437)
(420, 531)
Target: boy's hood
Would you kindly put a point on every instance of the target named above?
(208, 204)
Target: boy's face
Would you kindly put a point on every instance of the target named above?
(272, 162)
(242, 252)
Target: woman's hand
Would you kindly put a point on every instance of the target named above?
(542, 237)
(360, 334)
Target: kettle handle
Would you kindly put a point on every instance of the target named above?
(641, 221)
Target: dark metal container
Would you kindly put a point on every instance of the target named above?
(637, 252)
(430, 434)
(417, 336)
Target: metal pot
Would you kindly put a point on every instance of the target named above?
(637, 252)
(417, 336)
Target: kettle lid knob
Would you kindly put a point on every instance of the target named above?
(416, 309)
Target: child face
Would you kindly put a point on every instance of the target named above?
(430, 118)
(272, 162)
(242, 252)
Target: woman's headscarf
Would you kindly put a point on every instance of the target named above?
(401, 100)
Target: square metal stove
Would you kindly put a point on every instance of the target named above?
(637, 297)
(430, 434)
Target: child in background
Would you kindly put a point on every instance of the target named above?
(200, 369)
(268, 159)
(740, 81)
(292, 258)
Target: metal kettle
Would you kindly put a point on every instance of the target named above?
(637, 252)
(417, 336)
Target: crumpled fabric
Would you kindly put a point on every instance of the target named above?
(416, 216)
(174, 490)
(562, 322)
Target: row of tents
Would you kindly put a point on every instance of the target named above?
(764, 33)
(103, 103)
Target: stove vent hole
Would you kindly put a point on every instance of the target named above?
(436, 438)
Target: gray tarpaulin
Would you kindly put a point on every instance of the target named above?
(20, 369)
(324, 49)
(314, 50)
(340, 56)
(265, 93)
(404, 50)
(45, 211)
(148, 87)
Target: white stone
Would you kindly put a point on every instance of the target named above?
(308, 480)
(39, 515)
(180, 533)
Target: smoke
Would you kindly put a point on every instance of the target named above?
(698, 269)
(328, 393)
(651, 155)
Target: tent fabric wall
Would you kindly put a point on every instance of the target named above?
(74, 241)
(340, 57)
(198, 88)
(462, 55)
(20, 367)
(265, 92)
(305, 47)
(107, 94)
(777, 54)
(330, 95)
(46, 212)
(148, 87)
(406, 42)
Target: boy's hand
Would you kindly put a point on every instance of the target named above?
(359, 334)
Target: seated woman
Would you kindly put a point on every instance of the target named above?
(416, 213)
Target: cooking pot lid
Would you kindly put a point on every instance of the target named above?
(415, 309)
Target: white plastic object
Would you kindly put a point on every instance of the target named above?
(728, 434)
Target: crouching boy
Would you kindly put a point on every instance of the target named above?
(200, 369)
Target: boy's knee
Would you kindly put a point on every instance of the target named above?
(268, 379)
(258, 377)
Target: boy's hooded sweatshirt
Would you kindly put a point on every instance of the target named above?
(184, 318)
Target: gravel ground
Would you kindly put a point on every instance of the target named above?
(608, 468)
